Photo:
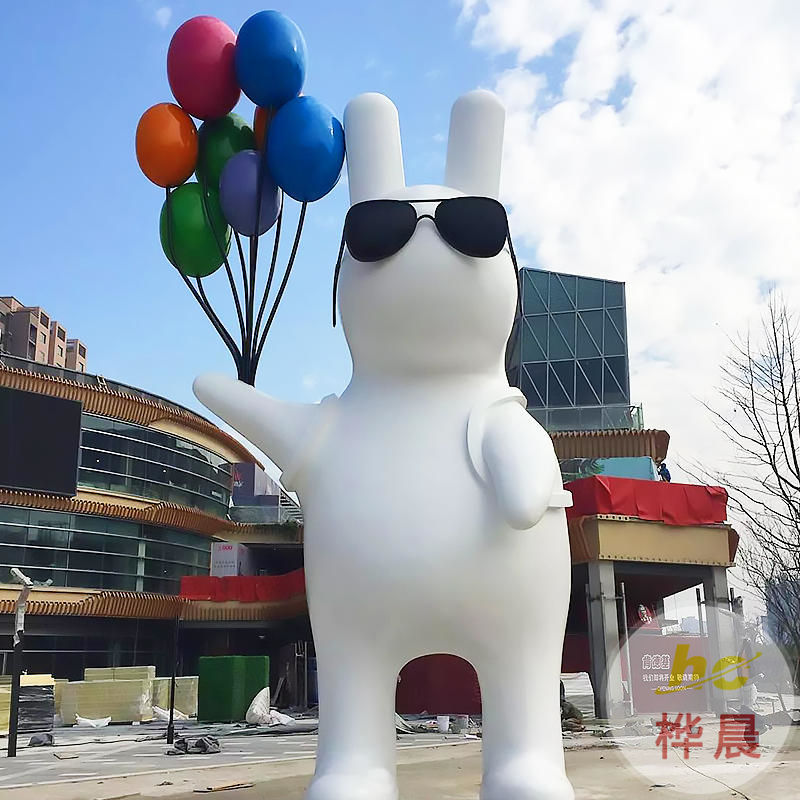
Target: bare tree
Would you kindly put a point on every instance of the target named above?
(759, 414)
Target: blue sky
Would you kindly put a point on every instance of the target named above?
(625, 155)
(79, 220)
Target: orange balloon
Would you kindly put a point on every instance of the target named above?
(166, 144)
(261, 121)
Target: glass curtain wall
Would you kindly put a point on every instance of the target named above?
(132, 459)
(94, 552)
(570, 355)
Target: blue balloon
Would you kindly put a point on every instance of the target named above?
(305, 149)
(270, 59)
(238, 194)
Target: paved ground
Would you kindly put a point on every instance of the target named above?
(128, 765)
(443, 773)
(79, 757)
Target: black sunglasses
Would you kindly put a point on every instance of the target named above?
(377, 229)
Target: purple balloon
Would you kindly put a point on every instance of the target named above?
(238, 193)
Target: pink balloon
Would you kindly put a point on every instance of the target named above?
(200, 67)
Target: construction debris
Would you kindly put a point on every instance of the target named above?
(85, 722)
(203, 744)
(259, 711)
(224, 788)
(163, 715)
(276, 718)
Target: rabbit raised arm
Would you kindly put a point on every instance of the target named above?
(275, 427)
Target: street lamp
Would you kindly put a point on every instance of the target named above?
(175, 638)
(19, 632)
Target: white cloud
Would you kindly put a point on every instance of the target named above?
(162, 16)
(669, 158)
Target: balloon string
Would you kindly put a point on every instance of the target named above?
(224, 335)
(242, 264)
(224, 330)
(221, 329)
(282, 287)
(248, 343)
(252, 335)
(271, 274)
(224, 254)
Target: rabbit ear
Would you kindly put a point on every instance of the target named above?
(475, 145)
(374, 152)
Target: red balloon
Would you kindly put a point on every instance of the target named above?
(201, 69)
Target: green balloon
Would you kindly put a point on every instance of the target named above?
(219, 139)
(189, 241)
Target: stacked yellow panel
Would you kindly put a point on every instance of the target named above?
(119, 673)
(123, 701)
(5, 693)
(185, 694)
(5, 704)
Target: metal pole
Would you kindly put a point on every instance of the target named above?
(19, 628)
(305, 675)
(592, 670)
(13, 714)
(701, 627)
(297, 696)
(627, 644)
(171, 725)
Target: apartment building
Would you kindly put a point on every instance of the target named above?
(30, 332)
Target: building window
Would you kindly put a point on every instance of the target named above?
(60, 351)
(590, 293)
(43, 338)
(32, 333)
(44, 319)
(81, 351)
(571, 357)
(132, 459)
(62, 334)
(81, 368)
(98, 552)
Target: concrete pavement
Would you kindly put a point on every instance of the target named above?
(79, 757)
(449, 772)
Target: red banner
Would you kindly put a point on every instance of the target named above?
(244, 588)
(657, 501)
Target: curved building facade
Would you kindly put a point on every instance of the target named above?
(154, 484)
(98, 552)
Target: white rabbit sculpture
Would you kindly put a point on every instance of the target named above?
(433, 503)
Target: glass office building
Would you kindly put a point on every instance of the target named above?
(96, 552)
(137, 453)
(132, 459)
(569, 352)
